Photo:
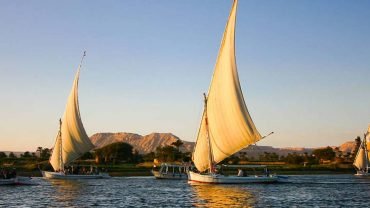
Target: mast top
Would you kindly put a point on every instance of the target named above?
(83, 56)
(60, 124)
(205, 100)
(267, 135)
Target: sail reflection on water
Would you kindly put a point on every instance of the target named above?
(221, 196)
(67, 191)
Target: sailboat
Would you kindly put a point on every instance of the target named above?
(226, 126)
(361, 161)
(71, 141)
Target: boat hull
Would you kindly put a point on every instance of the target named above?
(11, 181)
(176, 176)
(362, 173)
(222, 179)
(17, 181)
(60, 175)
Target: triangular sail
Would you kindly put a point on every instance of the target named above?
(361, 160)
(230, 127)
(55, 159)
(75, 141)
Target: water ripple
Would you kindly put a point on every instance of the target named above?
(303, 191)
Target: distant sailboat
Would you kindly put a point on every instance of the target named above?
(226, 126)
(361, 161)
(71, 141)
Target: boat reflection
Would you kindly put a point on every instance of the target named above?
(207, 195)
(67, 191)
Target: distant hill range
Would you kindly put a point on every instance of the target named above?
(143, 144)
(255, 150)
(149, 143)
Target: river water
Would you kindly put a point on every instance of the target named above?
(302, 191)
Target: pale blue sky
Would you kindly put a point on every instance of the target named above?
(304, 67)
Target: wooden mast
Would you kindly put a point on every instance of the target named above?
(61, 168)
(210, 155)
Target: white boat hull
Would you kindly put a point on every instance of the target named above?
(222, 179)
(61, 175)
(362, 173)
(175, 176)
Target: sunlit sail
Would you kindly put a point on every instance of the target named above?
(71, 141)
(226, 125)
(362, 161)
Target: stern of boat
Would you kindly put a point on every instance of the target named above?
(105, 175)
(361, 173)
(52, 175)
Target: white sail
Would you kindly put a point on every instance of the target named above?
(75, 141)
(55, 159)
(361, 162)
(230, 127)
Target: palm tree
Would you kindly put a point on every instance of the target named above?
(177, 144)
(3, 155)
(39, 151)
(12, 155)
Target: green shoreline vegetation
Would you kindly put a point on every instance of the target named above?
(120, 159)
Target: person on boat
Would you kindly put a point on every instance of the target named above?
(91, 169)
(267, 172)
(219, 171)
(77, 170)
(240, 173)
(6, 174)
(13, 173)
(68, 170)
(155, 168)
(213, 168)
(3, 174)
(83, 171)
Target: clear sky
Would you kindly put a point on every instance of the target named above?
(304, 67)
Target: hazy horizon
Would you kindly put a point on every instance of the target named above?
(303, 67)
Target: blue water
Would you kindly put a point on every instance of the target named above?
(303, 191)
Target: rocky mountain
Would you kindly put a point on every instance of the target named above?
(347, 146)
(148, 143)
(143, 144)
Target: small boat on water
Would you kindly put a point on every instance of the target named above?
(361, 162)
(9, 177)
(18, 180)
(170, 171)
(226, 125)
(71, 141)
